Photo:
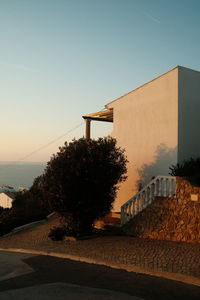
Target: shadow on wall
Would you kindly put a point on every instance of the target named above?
(164, 157)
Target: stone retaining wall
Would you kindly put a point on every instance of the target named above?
(175, 219)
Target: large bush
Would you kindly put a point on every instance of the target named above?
(189, 169)
(80, 181)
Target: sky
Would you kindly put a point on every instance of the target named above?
(62, 59)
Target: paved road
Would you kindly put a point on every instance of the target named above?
(25, 276)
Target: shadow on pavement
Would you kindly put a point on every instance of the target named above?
(51, 270)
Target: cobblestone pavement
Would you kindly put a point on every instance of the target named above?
(175, 257)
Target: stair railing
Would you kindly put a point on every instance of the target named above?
(160, 186)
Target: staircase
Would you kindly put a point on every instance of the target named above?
(161, 186)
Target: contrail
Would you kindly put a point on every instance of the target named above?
(152, 18)
(11, 65)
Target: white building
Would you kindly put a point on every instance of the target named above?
(157, 124)
(6, 200)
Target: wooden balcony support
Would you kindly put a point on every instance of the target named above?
(87, 129)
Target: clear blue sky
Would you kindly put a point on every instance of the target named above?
(65, 58)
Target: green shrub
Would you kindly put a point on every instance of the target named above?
(57, 233)
(189, 169)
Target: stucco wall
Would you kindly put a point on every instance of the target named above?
(5, 201)
(175, 219)
(145, 124)
(189, 114)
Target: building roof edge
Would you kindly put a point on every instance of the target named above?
(177, 67)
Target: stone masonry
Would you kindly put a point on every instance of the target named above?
(175, 219)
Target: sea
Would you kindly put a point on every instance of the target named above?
(20, 174)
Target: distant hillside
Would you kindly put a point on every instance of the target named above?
(21, 174)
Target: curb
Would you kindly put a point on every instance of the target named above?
(25, 226)
(129, 268)
(28, 225)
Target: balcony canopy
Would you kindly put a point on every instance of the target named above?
(104, 115)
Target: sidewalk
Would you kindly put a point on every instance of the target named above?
(173, 260)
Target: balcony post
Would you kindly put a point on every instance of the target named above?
(87, 129)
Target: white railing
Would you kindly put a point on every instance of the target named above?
(161, 186)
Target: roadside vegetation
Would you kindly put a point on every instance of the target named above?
(80, 183)
(28, 206)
